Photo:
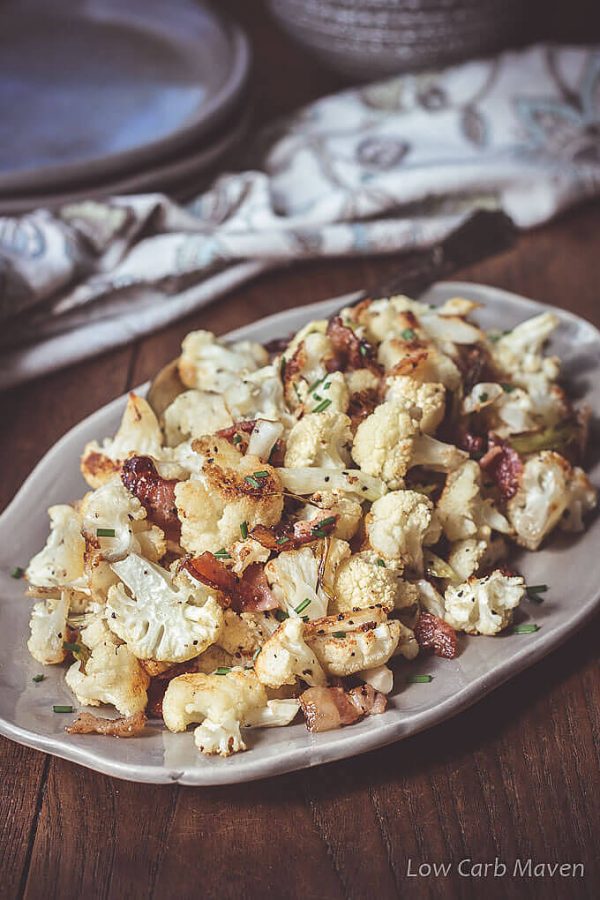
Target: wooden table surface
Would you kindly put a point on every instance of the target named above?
(514, 777)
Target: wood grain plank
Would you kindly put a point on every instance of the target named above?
(22, 793)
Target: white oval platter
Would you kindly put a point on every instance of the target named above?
(569, 566)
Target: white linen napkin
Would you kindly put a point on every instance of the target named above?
(385, 168)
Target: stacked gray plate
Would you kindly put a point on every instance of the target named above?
(372, 38)
(113, 96)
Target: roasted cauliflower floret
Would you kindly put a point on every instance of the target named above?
(285, 657)
(61, 562)
(222, 704)
(388, 443)
(246, 553)
(483, 605)
(424, 402)
(139, 433)
(421, 360)
(258, 395)
(400, 524)
(364, 580)
(518, 354)
(237, 636)
(155, 618)
(348, 512)
(111, 674)
(215, 508)
(321, 440)
(582, 500)
(352, 641)
(194, 413)
(210, 365)
(48, 626)
(461, 509)
(549, 489)
(115, 523)
(293, 577)
(304, 364)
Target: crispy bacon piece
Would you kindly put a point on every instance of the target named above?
(362, 404)
(123, 726)
(253, 592)
(155, 493)
(432, 633)
(277, 345)
(241, 428)
(503, 465)
(250, 592)
(290, 537)
(475, 365)
(211, 572)
(349, 351)
(326, 708)
(367, 700)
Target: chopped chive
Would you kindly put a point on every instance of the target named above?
(251, 480)
(222, 554)
(105, 532)
(483, 397)
(281, 615)
(508, 388)
(533, 592)
(326, 386)
(74, 648)
(329, 520)
(339, 634)
(282, 540)
(528, 628)
(282, 365)
(237, 439)
(302, 606)
(409, 334)
(419, 679)
(305, 618)
(317, 532)
(261, 474)
(322, 406)
(62, 709)
(17, 572)
(222, 670)
(296, 391)
(38, 678)
(256, 653)
(381, 563)
(363, 350)
(244, 530)
(316, 384)
(317, 397)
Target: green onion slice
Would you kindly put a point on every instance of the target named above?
(409, 334)
(38, 678)
(17, 572)
(339, 634)
(419, 679)
(527, 628)
(322, 406)
(105, 532)
(222, 670)
(281, 615)
(222, 554)
(62, 709)
(244, 530)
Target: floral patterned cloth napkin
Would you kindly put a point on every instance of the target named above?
(385, 168)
